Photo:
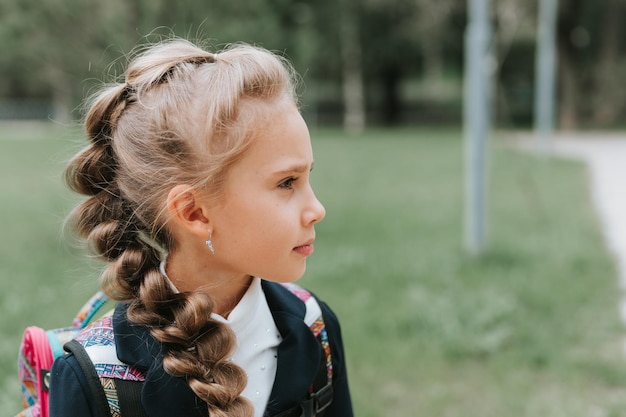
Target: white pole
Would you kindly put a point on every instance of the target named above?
(476, 121)
(545, 64)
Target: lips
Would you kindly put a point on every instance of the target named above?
(306, 249)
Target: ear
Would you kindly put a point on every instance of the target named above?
(186, 210)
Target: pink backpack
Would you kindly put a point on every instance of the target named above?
(39, 349)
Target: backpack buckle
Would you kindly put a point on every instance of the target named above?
(317, 402)
(44, 377)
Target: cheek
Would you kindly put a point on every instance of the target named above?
(265, 226)
(250, 223)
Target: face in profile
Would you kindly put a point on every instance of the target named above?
(264, 222)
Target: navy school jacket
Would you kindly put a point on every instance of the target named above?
(299, 357)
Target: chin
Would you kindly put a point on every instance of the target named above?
(289, 274)
(284, 278)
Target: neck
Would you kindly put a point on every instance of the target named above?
(225, 290)
(226, 301)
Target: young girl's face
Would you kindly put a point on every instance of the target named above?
(264, 223)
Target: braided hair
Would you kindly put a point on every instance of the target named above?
(182, 115)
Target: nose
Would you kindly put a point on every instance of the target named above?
(315, 211)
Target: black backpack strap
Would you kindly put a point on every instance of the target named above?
(322, 388)
(317, 402)
(314, 406)
(128, 392)
(129, 395)
(93, 381)
(322, 392)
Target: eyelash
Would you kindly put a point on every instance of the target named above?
(287, 183)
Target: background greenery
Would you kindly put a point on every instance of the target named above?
(405, 55)
(530, 328)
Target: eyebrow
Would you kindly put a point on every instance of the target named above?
(298, 168)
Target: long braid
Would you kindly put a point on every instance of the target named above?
(145, 136)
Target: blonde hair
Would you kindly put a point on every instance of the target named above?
(182, 115)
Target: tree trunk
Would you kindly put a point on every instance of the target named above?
(391, 95)
(433, 61)
(570, 66)
(568, 106)
(353, 96)
(609, 99)
(62, 95)
(431, 19)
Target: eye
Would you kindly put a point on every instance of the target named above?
(287, 183)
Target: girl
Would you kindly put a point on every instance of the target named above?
(197, 177)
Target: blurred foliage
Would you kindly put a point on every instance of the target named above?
(409, 52)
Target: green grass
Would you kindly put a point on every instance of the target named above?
(529, 328)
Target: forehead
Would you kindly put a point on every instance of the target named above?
(282, 138)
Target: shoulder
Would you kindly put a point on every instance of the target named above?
(67, 370)
(68, 386)
(310, 301)
(295, 299)
(67, 376)
(325, 319)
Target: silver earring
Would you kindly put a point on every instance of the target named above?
(209, 244)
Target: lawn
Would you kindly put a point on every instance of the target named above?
(529, 328)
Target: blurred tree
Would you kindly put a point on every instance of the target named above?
(609, 101)
(573, 38)
(387, 59)
(513, 52)
(352, 67)
(432, 21)
(336, 45)
(392, 51)
(52, 45)
(408, 39)
(590, 61)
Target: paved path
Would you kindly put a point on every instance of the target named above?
(605, 155)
